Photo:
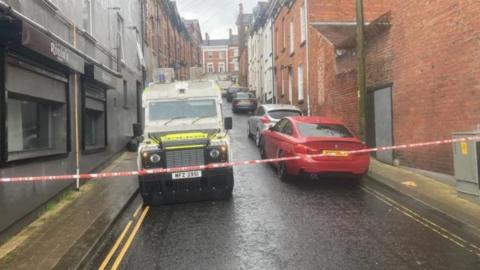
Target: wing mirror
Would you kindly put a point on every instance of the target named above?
(228, 123)
(271, 128)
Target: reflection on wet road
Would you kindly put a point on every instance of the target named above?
(307, 224)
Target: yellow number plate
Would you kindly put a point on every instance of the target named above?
(335, 153)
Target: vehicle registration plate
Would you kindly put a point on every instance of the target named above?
(244, 102)
(335, 153)
(185, 175)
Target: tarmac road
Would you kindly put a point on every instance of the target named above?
(308, 224)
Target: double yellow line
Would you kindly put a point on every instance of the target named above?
(127, 244)
(455, 239)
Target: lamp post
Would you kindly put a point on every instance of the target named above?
(361, 78)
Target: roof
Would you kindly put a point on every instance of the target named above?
(270, 107)
(342, 34)
(233, 41)
(192, 89)
(316, 119)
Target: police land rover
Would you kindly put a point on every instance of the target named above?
(184, 126)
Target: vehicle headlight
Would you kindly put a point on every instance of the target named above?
(155, 158)
(214, 153)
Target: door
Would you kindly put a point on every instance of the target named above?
(380, 123)
(273, 139)
(140, 114)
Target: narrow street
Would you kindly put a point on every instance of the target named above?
(269, 224)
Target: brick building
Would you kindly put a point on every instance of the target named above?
(220, 56)
(244, 21)
(175, 42)
(421, 78)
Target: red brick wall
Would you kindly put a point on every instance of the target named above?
(436, 70)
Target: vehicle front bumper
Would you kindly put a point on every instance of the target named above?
(249, 107)
(213, 181)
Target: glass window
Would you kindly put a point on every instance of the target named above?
(88, 16)
(279, 114)
(182, 109)
(121, 38)
(323, 130)
(279, 126)
(303, 24)
(125, 94)
(287, 128)
(244, 95)
(35, 128)
(300, 82)
(292, 37)
(210, 67)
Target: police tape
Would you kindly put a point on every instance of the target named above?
(154, 171)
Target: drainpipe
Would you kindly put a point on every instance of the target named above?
(77, 126)
(308, 56)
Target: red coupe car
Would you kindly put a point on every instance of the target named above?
(310, 135)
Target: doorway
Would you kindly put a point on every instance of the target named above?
(380, 122)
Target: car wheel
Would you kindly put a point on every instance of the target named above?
(258, 137)
(282, 171)
(263, 154)
(250, 136)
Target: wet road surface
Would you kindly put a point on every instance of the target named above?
(308, 224)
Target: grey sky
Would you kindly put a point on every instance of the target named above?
(216, 16)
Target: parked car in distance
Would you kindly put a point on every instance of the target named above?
(268, 115)
(309, 135)
(233, 90)
(244, 101)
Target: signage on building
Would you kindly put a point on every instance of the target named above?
(104, 77)
(49, 47)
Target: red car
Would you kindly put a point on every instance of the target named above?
(309, 135)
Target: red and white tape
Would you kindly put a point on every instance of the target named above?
(87, 176)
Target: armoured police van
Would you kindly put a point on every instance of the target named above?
(184, 127)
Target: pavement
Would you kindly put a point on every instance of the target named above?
(435, 193)
(65, 235)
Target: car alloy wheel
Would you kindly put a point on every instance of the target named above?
(282, 169)
(263, 154)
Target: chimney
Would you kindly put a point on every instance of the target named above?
(207, 38)
(241, 8)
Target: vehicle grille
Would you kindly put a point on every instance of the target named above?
(181, 158)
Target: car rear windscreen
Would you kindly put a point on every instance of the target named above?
(323, 130)
(244, 95)
(279, 114)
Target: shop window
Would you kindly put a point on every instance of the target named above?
(36, 112)
(94, 118)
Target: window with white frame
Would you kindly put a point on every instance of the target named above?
(290, 85)
(303, 24)
(292, 37)
(88, 16)
(210, 67)
(121, 38)
(284, 34)
(300, 82)
(221, 67)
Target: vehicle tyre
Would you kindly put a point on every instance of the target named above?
(263, 154)
(258, 137)
(228, 191)
(282, 169)
(147, 198)
(250, 136)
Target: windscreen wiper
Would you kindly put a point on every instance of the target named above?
(198, 119)
(174, 118)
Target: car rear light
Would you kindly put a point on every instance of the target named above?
(265, 120)
(303, 149)
(235, 102)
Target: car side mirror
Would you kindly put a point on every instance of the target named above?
(137, 130)
(228, 123)
(271, 128)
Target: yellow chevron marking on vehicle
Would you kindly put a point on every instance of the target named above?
(184, 136)
(184, 147)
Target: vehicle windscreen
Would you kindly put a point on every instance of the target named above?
(244, 96)
(182, 109)
(323, 130)
(279, 114)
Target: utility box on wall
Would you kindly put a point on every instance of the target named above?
(466, 164)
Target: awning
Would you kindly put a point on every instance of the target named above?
(343, 34)
(338, 33)
(101, 75)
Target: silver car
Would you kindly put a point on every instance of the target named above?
(268, 115)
